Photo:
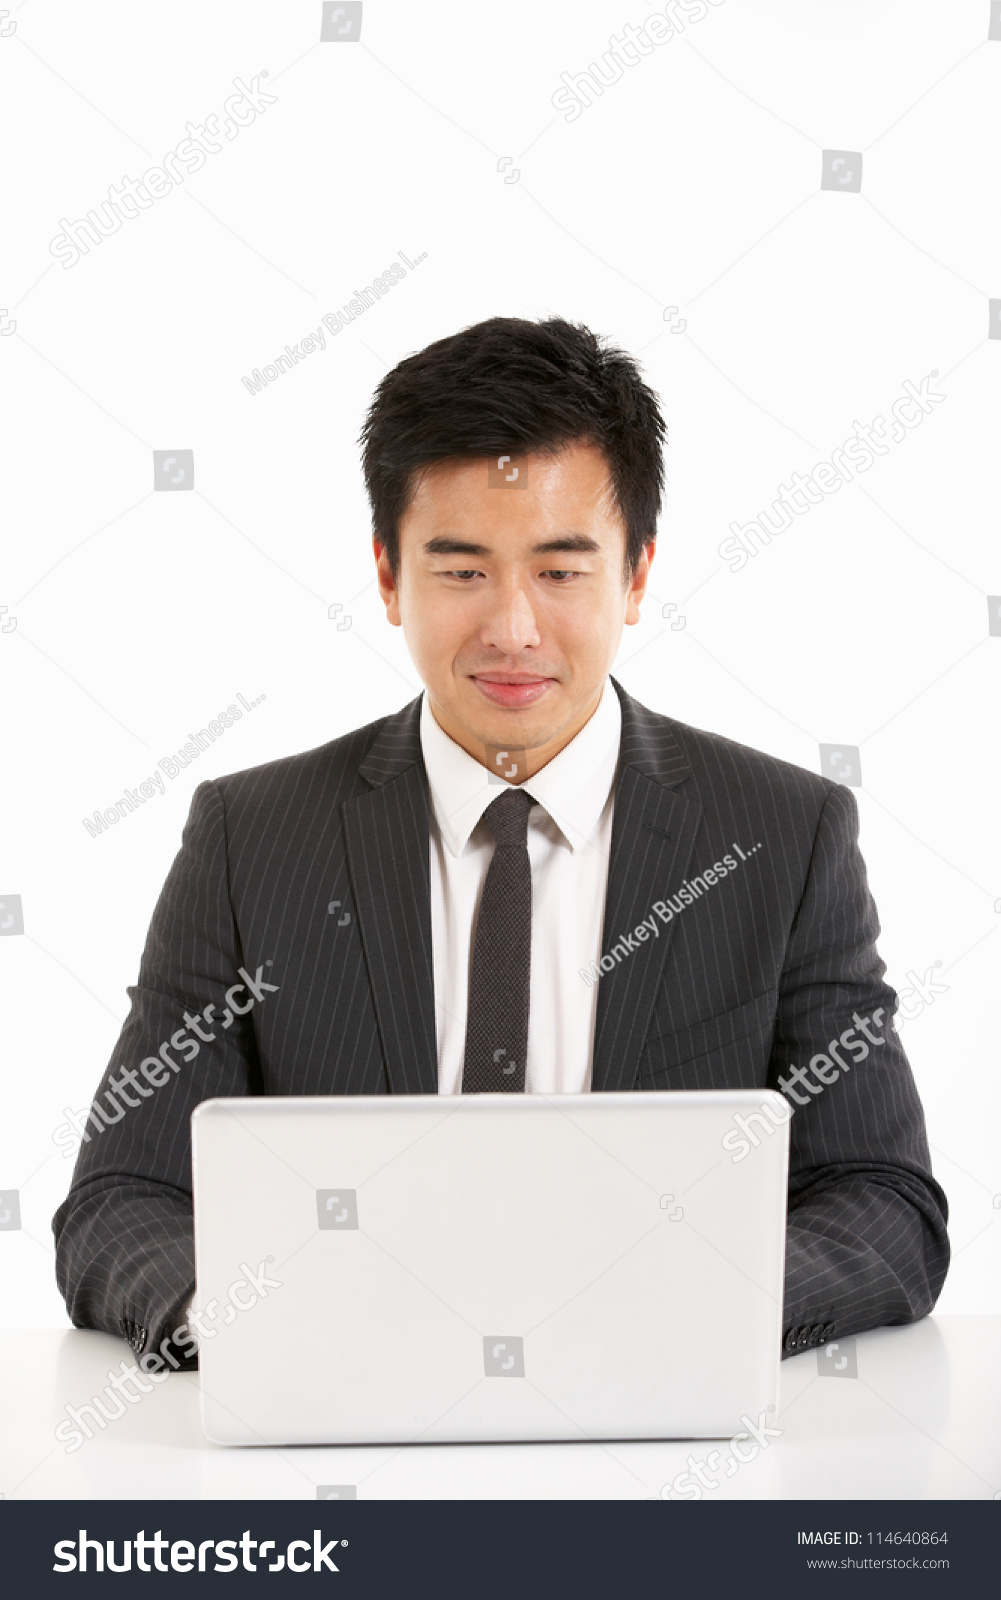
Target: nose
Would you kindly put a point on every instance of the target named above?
(510, 626)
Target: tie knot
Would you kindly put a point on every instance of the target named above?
(507, 817)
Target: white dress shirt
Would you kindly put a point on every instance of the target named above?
(569, 835)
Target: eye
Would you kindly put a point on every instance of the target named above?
(463, 574)
(560, 575)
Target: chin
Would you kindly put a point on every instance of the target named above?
(526, 726)
(518, 728)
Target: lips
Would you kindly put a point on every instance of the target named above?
(514, 689)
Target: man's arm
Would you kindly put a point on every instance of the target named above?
(124, 1238)
(866, 1242)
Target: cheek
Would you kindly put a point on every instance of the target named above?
(588, 617)
(436, 620)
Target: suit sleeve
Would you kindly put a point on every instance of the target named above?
(124, 1234)
(866, 1240)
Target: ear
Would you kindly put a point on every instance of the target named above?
(388, 587)
(638, 582)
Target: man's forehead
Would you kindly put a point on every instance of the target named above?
(514, 488)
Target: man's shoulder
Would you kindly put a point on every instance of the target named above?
(715, 754)
(329, 772)
(674, 750)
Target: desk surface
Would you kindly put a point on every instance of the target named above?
(921, 1420)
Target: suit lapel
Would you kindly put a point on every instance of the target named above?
(387, 844)
(653, 833)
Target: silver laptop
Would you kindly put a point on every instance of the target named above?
(379, 1269)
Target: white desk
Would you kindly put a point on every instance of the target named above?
(921, 1421)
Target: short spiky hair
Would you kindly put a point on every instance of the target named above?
(512, 386)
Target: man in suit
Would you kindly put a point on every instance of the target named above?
(524, 881)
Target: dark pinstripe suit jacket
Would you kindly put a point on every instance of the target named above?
(755, 976)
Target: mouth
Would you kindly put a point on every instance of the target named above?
(512, 689)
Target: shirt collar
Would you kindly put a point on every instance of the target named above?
(573, 787)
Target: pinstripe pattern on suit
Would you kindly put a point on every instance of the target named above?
(753, 977)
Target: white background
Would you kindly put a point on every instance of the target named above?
(693, 183)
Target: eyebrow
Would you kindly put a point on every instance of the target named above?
(571, 543)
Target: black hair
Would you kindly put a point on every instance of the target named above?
(508, 385)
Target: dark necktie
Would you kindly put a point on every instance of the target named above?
(497, 1019)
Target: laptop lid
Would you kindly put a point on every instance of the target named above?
(488, 1267)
